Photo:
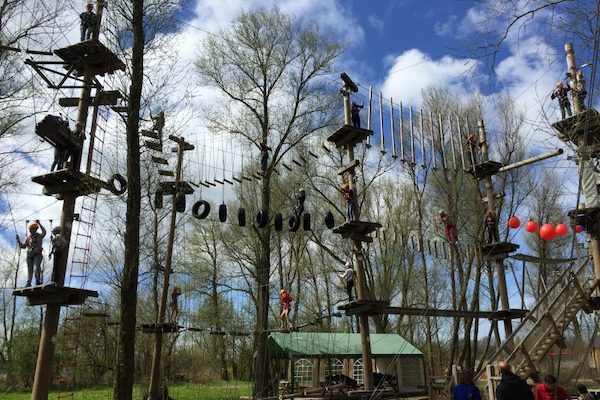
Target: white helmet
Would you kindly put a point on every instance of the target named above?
(348, 264)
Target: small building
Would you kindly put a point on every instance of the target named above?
(311, 356)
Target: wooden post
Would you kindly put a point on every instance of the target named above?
(489, 188)
(358, 263)
(153, 391)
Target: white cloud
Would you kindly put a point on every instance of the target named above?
(375, 22)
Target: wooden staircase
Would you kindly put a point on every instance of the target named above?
(545, 324)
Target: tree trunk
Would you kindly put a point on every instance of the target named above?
(123, 385)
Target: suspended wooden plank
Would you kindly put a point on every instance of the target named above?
(433, 160)
(442, 142)
(106, 98)
(381, 129)
(412, 137)
(153, 145)
(369, 113)
(162, 172)
(422, 136)
(159, 160)
(452, 143)
(460, 142)
(401, 122)
(394, 155)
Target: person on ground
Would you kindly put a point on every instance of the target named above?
(59, 248)
(286, 303)
(511, 386)
(583, 393)
(33, 244)
(466, 389)
(550, 390)
(349, 276)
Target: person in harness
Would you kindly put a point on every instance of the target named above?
(33, 244)
(89, 21)
(354, 111)
(560, 93)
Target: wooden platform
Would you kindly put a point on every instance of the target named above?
(106, 98)
(53, 131)
(573, 129)
(498, 250)
(348, 135)
(53, 294)
(164, 328)
(485, 169)
(156, 146)
(150, 134)
(364, 307)
(91, 54)
(357, 230)
(68, 181)
(589, 218)
(174, 187)
(436, 312)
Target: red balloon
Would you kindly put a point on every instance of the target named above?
(578, 228)
(514, 222)
(547, 232)
(561, 229)
(531, 226)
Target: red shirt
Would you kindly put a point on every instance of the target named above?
(348, 194)
(285, 299)
(542, 392)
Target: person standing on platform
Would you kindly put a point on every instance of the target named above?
(75, 154)
(286, 303)
(264, 156)
(512, 386)
(449, 228)
(33, 244)
(349, 198)
(174, 305)
(89, 22)
(59, 248)
(560, 93)
(349, 276)
(299, 206)
(354, 112)
(491, 227)
(550, 390)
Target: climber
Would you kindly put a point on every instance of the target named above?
(560, 93)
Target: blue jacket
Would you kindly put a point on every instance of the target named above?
(466, 392)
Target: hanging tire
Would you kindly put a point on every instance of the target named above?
(329, 221)
(222, 213)
(278, 222)
(306, 221)
(180, 202)
(205, 209)
(158, 199)
(262, 219)
(294, 224)
(241, 217)
(112, 184)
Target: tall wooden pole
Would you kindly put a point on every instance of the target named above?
(155, 376)
(500, 271)
(44, 364)
(363, 319)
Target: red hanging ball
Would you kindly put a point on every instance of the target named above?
(561, 229)
(578, 228)
(513, 222)
(547, 232)
(531, 226)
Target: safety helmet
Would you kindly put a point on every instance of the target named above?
(559, 84)
(56, 230)
(442, 212)
(348, 264)
(33, 226)
(282, 291)
(301, 190)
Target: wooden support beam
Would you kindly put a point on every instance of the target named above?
(106, 98)
(353, 164)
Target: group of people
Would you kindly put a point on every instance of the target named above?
(491, 227)
(62, 155)
(34, 245)
(513, 387)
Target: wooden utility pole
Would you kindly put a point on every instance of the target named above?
(491, 196)
(155, 376)
(44, 364)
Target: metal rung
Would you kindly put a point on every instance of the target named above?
(78, 262)
(82, 248)
(78, 276)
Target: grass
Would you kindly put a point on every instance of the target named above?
(183, 391)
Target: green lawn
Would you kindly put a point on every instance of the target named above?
(212, 391)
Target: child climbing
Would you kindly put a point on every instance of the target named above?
(491, 227)
(89, 21)
(449, 228)
(348, 276)
(174, 305)
(264, 155)
(33, 244)
(354, 111)
(299, 206)
(75, 154)
(349, 198)
(285, 299)
(59, 248)
(474, 147)
(560, 93)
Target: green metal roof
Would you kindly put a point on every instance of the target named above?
(323, 344)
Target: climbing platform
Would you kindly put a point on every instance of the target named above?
(364, 307)
(90, 54)
(150, 134)
(436, 312)
(545, 324)
(54, 131)
(583, 125)
(104, 98)
(348, 135)
(586, 217)
(484, 169)
(357, 230)
(175, 187)
(53, 294)
(164, 328)
(498, 250)
(68, 181)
